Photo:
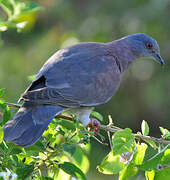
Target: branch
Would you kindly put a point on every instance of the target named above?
(137, 136)
(17, 106)
(108, 128)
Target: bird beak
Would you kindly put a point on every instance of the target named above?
(158, 58)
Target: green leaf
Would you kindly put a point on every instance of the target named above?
(158, 175)
(160, 158)
(15, 151)
(97, 115)
(56, 171)
(6, 115)
(1, 134)
(67, 124)
(24, 171)
(79, 157)
(16, 11)
(128, 172)
(145, 128)
(2, 104)
(44, 178)
(2, 92)
(166, 158)
(111, 164)
(150, 175)
(4, 147)
(151, 143)
(73, 170)
(163, 174)
(81, 160)
(71, 149)
(131, 169)
(6, 6)
(165, 133)
(140, 154)
(26, 157)
(36, 148)
(123, 141)
(28, 7)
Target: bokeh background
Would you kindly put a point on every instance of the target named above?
(145, 90)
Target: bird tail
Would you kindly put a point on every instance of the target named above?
(29, 123)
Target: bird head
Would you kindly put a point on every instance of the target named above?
(145, 46)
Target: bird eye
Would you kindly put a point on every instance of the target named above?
(149, 46)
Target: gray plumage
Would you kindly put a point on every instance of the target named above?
(76, 79)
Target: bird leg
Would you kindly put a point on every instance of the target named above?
(94, 125)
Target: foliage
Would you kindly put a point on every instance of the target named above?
(17, 14)
(127, 157)
(145, 128)
(61, 149)
(62, 152)
(65, 23)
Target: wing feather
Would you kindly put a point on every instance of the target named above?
(82, 75)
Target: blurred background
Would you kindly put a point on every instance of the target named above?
(145, 90)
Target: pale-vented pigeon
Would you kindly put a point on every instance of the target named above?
(76, 79)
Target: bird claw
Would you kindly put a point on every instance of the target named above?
(94, 125)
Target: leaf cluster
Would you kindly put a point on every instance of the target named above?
(62, 153)
(17, 14)
(128, 156)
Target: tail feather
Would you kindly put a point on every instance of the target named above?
(29, 123)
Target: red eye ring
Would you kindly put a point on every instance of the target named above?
(149, 46)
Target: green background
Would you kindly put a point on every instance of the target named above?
(145, 90)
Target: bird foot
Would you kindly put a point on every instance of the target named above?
(94, 125)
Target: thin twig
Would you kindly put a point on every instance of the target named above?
(101, 136)
(110, 141)
(108, 128)
(137, 136)
(65, 117)
(157, 140)
(101, 142)
(108, 132)
(13, 105)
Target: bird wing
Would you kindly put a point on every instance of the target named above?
(81, 75)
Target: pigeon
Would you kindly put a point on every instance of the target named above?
(75, 80)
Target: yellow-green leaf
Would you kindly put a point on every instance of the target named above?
(127, 172)
(150, 175)
(1, 134)
(123, 141)
(97, 115)
(73, 170)
(145, 128)
(165, 133)
(2, 91)
(160, 159)
(163, 174)
(131, 169)
(111, 164)
(140, 154)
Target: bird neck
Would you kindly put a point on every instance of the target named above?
(123, 50)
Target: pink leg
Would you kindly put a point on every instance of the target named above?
(94, 125)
